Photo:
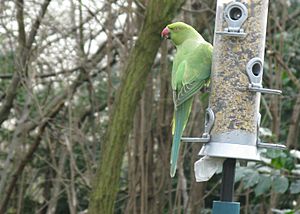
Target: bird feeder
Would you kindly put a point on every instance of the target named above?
(232, 118)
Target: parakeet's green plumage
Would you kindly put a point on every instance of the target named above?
(191, 69)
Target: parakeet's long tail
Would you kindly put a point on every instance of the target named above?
(180, 119)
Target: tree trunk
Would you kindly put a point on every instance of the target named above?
(158, 14)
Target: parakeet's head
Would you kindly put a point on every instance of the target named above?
(178, 32)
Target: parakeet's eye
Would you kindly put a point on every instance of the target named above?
(176, 28)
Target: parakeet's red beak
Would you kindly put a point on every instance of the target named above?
(165, 33)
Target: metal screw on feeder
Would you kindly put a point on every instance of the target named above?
(231, 129)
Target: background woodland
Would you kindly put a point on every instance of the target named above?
(86, 110)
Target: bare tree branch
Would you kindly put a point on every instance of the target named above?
(22, 56)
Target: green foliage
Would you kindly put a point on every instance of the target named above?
(7, 63)
(263, 185)
(280, 184)
(280, 159)
(62, 206)
(6, 69)
(251, 178)
(277, 173)
(295, 187)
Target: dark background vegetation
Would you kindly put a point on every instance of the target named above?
(85, 84)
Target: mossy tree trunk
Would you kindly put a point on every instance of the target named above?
(158, 14)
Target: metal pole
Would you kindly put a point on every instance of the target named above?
(226, 204)
(227, 187)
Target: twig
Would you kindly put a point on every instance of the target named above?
(293, 78)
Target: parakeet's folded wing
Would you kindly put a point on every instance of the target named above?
(192, 73)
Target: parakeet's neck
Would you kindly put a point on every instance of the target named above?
(179, 38)
(189, 44)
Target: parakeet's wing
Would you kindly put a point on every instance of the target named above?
(193, 72)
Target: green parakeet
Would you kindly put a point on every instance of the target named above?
(191, 69)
